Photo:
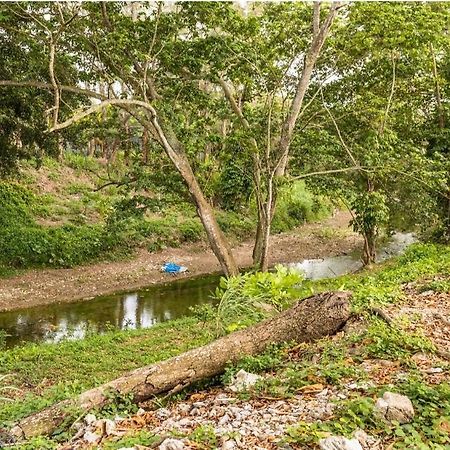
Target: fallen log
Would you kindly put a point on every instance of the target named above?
(309, 319)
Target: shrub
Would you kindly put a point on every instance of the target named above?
(247, 298)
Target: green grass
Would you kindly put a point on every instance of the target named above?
(51, 372)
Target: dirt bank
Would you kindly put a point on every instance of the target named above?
(40, 287)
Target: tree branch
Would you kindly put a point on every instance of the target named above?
(391, 96)
(41, 85)
(114, 102)
(347, 149)
(316, 18)
(51, 69)
(303, 83)
(328, 172)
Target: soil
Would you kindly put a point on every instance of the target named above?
(331, 237)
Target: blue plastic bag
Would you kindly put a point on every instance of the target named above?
(171, 267)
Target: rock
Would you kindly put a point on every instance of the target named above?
(162, 413)
(89, 419)
(339, 443)
(395, 407)
(367, 442)
(110, 427)
(91, 438)
(229, 445)
(140, 412)
(434, 370)
(172, 444)
(426, 293)
(243, 380)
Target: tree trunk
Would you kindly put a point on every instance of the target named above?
(176, 153)
(369, 253)
(310, 319)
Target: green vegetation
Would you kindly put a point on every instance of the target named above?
(202, 118)
(46, 373)
(74, 223)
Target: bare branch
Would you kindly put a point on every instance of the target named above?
(329, 172)
(302, 86)
(41, 85)
(316, 18)
(51, 69)
(391, 95)
(232, 101)
(347, 149)
(113, 102)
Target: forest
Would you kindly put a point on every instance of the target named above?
(224, 225)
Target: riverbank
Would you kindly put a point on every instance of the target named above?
(330, 237)
(348, 371)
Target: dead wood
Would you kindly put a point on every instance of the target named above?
(308, 320)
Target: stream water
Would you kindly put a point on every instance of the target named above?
(148, 306)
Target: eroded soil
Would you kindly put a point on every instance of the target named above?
(331, 237)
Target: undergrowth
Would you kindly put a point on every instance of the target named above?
(46, 373)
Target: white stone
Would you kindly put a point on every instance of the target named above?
(395, 407)
(172, 444)
(339, 443)
(162, 413)
(91, 438)
(434, 370)
(89, 419)
(110, 427)
(229, 445)
(243, 380)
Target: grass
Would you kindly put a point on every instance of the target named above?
(50, 372)
(47, 373)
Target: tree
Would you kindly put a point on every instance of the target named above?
(369, 149)
(170, 61)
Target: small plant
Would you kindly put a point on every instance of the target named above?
(204, 434)
(119, 404)
(383, 341)
(246, 299)
(6, 388)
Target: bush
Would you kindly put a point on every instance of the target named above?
(297, 205)
(246, 299)
(62, 246)
(16, 203)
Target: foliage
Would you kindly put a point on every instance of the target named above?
(142, 437)
(297, 205)
(387, 342)
(205, 435)
(247, 298)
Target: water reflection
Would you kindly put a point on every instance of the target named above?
(315, 269)
(130, 310)
(149, 306)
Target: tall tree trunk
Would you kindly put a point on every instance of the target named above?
(369, 252)
(175, 151)
(320, 33)
(310, 319)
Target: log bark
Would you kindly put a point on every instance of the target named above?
(310, 319)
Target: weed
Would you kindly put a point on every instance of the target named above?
(204, 434)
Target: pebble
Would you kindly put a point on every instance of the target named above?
(89, 419)
(172, 444)
(235, 422)
(90, 437)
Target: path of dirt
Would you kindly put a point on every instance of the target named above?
(40, 287)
